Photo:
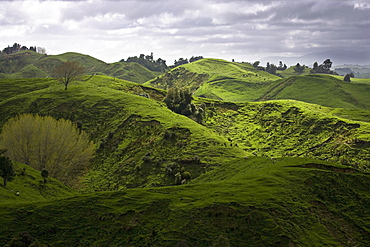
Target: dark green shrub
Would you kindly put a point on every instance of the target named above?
(186, 175)
(221, 242)
(44, 174)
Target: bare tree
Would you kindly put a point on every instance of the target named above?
(67, 72)
(41, 50)
(45, 143)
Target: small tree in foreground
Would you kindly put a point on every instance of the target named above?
(6, 169)
(44, 174)
(68, 72)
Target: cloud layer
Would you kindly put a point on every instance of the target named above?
(244, 30)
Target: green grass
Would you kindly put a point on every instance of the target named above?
(125, 127)
(253, 202)
(215, 78)
(28, 186)
(237, 190)
(325, 90)
(291, 128)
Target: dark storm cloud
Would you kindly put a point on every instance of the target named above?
(176, 28)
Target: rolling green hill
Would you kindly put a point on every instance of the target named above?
(29, 64)
(217, 79)
(140, 142)
(241, 82)
(262, 173)
(325, 90)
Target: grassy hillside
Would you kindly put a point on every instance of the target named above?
(251, 202)
(216, 79)
(28, 186)
(241, 82)
(289, 128)
(254, 179)
(140, 142)
(324, 90)
(29, 64)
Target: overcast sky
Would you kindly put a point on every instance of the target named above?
(244, 30)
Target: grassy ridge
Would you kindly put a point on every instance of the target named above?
(29, 64)
(254, 202)
(241, 82)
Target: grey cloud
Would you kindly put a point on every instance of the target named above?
(239, 26)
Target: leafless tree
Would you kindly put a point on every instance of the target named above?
(67, 72)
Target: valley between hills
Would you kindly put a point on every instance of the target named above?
(258, 159)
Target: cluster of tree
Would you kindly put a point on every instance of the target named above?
(270, 68)
(44, 143)
(17, 47)
(148, 62)
(179, 100)
(299, 68)
(182, 61)
(323, 68)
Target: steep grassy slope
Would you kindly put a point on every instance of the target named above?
(217, 79)
(291, 128)
(252, 202)
(140, 142)
(29, 64)
(28, 186)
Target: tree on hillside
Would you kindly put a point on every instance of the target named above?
(179, 100)
(256, 64)
(41, 50)
(44, 175)
(322, 68)
(68, 72)
(298, 68)
(45, 143)
(6, 169)
(148, 62)
(347, 78)
(196, 58)
(327, 65)
(282, 66)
